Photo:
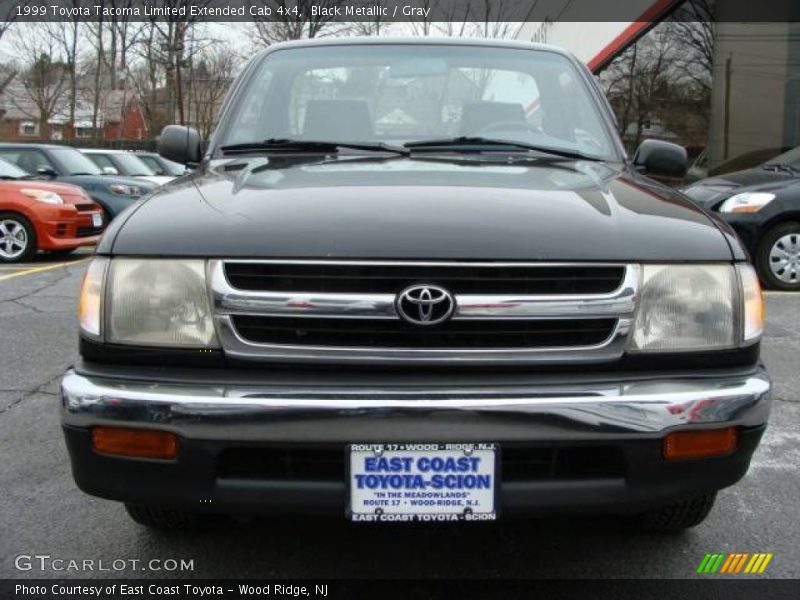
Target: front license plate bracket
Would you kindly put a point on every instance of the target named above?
(422, 482)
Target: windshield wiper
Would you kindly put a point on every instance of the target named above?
(432, 145)
(324, 147)
(781, 167)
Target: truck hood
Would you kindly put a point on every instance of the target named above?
(495, 208)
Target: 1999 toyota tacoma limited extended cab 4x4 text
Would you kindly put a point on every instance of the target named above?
(416, 281)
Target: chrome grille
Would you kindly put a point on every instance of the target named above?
(388, 333)
(382, 278)
(344, 311)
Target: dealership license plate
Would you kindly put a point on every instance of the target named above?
(97, 220)
(422, 482)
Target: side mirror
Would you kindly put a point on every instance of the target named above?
(180, 144)
(110, 171)
(46, 172)
(661, 159)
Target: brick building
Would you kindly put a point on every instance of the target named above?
(119, 117)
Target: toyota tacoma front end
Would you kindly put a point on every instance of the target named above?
(416, 281)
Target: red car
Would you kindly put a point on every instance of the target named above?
(37, 215)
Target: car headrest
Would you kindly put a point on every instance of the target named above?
(337, 120)
(27, 162)
(475, 116)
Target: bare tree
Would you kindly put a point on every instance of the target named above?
(7, 77)
(44, 77)
(97, 39)
(210, 79)
(618, 81)
(145, 74)
(456, 17)
(491, 19)
(423, 25)
(146, 77)
(642, 77)
(694, 25)
(8, 13)
(122, 35)
(168, 45)
(66, 35)
(376, 26)
(295, 20)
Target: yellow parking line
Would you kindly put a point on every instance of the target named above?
(43, 268)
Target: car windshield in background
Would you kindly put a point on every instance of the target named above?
(132, 165)
(9, 170)
(74, 162)
(411, 93)
(162, 166)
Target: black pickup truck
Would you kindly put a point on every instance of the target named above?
(416, 281)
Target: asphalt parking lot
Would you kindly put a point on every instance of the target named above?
(42, 512)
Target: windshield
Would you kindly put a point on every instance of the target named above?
(74, 162)
(11, 171)
(162, 166)
(132, 165)
(409, 93)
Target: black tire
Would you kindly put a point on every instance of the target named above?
(163, 518)
(762, 262)
(678, 515)
(30, 233)
(62, 253)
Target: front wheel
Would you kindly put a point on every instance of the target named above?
(678, 515)
(778, 257)
(17, 238)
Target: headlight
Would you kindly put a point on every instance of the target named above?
(90, 301)
(686, 308)
(159, 302)
(125, 190)
(43, 196)
(748, 202)
(752, 303)
(146, 302)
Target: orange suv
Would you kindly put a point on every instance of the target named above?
(37, 215)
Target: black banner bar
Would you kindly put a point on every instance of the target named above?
(512, 11)
(149, 589)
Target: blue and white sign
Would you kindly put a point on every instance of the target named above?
(423, 482)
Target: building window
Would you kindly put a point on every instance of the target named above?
(83, 132)
(28, 128)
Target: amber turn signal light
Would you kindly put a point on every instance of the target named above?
(140, 443)
(698, 444)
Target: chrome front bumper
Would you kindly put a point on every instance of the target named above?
(303, 412)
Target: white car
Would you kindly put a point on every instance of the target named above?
(120, 162)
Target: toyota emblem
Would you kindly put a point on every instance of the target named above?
(424, 304)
